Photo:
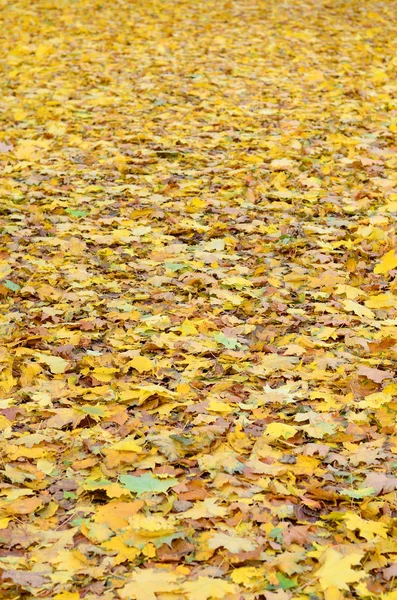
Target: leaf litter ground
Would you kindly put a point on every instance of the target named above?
(198, 300)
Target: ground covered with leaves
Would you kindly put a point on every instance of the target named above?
(198, 300)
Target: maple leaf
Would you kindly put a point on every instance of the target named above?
(230, 343)
(129, 444)
(336, 570)
(367, 529)
(388, 263)
(281, 164)
(139, 394)
(248, 576)
(205, 588)
(25, 579)
(67, 596)
(376, 375)
(273, 362)
(56, 363)
(379, 301)
(223, 459)
(123, 552)
(146, 583)
(141, 364)
(280, 430)
(147, 483)
(232, 543)
(206, 508)
(390, 572)
(358, 309)
(116, 514)
(380, 483)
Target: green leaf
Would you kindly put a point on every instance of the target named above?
(101, 484)
(69, 495)
(277, 534)
(358, 494)
(175, 266)
(158, 541)
(11, 285)
(285, 582)
(95, 411)
(75, 212)
(229, 343)
(147, 483)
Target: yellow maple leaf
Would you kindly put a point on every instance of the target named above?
(248, 576)
(336, 570)
(375, 400)
(57, 364)
(237, 282)
(70, 560)
(104, 374)
(124, 552)
(388, 263)
(151, 526)
(358, 309)
(140, 364)
(4, 522)
(147, 583)
(273, 362)
(116, 514)
(281, 164)
(141, 393)
(27, 150)
(387, 300)
(67, 596)
(280, 430)
(46, 466)
(205, 508)
(128, 444)
(205, 588)
(350, 292)
(219, 407)
(97, 532)
(188, 328)
(234, 544)
(389, 596)
(20, 114)
(367, 529)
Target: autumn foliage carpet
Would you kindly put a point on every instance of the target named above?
(198, 300)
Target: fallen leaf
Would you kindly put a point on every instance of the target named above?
(145, 584)
(205, 588)
(376, 375)
(56, 363)
(147, 483)
(233, 544)
(336, 570)
(141, 364)
(380, 483)
(367, 529)
(388, 263)
(25, 579)
(358, 309)
(390, 572)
